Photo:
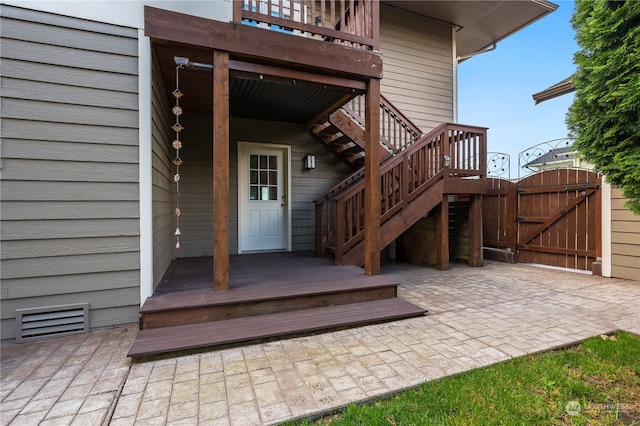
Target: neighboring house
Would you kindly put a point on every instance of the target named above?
(88, 184)
(553, 159)
(620, 226)
(561, 88)
(556, 158)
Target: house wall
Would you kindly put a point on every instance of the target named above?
(69, 130)
(129, 13)
(418, 67)
(625, 239)
(162, 175)
(196, 221)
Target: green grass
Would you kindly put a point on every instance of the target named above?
(602, 374)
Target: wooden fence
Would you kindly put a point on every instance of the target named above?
(551, 218)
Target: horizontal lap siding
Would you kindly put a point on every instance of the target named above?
(196, 180)
(163, 214)
(196, 222)
(625, 239)
(418, 67)
(306, 185)
(70, 192)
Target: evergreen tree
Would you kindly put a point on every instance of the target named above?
(604, 118)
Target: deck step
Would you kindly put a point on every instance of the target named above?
(240, 330)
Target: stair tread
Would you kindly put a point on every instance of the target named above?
(199, 298)
(193, 336)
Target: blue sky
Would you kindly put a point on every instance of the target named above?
(495, 88)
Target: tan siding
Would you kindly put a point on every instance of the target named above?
(625, 239)
(70, 191)
(418, 67)
(626, 249)
(629, 273)
(163, 213)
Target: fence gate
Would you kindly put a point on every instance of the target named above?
(551, 218)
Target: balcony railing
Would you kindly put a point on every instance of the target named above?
(353, 23)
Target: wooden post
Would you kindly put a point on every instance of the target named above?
(319, 228)
(512, 221)
(442, 234)
(220, 170)
(475, 230)
(237, 11)
(375, 24)
(372, 179)
(596, 266)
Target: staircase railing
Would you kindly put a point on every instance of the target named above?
(396, 130)
(449, 150)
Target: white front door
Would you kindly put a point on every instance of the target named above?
(263, 197)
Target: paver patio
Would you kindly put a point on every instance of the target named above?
(477, 316)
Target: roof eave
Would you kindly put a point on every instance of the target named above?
(558, 89)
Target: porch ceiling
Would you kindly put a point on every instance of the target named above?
(252, 95)
(480, 23)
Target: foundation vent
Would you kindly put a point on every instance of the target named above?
(51, 321)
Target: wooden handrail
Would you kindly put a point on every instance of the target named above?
(405, 176)
(351, 22)
(389, 113)
(396, 129)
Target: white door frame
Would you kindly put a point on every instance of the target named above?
(243, 148)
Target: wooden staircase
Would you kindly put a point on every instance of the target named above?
(271, 296)
(417, 171)
(343, 130)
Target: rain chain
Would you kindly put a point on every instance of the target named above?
(177, 145)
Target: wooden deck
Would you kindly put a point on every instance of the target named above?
(260, 273)
(270, 295)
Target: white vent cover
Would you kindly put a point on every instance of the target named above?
(51, 321)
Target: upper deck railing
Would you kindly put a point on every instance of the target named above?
(353, 23)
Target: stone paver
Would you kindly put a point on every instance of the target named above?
(477, 316)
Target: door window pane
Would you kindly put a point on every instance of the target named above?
(263, 177)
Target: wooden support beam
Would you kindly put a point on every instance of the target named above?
(512, 221)
(442, 234)
(220, 170)
(475, 230)
(372, 179)
(596, 267)
(253, 71)
(245, 41)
